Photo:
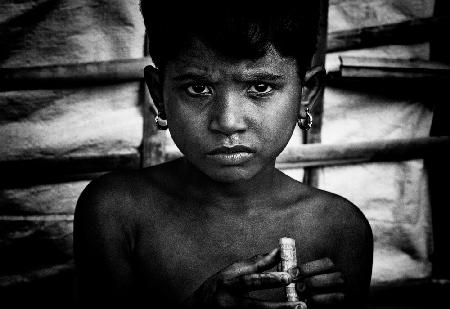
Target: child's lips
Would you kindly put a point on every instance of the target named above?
(231, 150)
(231, 155)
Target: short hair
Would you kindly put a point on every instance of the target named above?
(239, 32)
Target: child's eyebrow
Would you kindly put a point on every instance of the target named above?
(240, 77)
(190, 75)
(268, 76)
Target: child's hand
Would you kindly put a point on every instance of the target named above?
(319, 283)
(229, 288)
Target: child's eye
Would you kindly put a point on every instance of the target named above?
(260, 89)
(198, 89)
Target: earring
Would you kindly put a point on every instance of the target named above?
(305, 123)
(161, 124)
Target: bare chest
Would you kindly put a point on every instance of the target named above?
(177, 252)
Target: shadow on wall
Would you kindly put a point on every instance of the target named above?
(52, 291)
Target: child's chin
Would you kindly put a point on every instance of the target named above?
(230, 175)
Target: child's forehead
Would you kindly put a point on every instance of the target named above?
(198, 56)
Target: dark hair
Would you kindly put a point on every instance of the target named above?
(240, 32)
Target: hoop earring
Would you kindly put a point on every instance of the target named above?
(161, 124)
(305, 123)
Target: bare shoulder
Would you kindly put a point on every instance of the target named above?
(105, 227)
(335, 227)
(106, 234)
(338, 229)
(337, 213)
(104, 210)
(123, 189)
(115, 200)
(108, 194)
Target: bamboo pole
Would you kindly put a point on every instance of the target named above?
(36, 275)
(354, 153)
(73, 75)
(407, 32)
(386, 68)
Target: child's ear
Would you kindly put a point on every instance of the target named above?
(153, 79)
(312, 86)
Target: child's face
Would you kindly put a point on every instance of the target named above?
(213, 103)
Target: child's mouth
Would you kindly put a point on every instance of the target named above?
(231, 155)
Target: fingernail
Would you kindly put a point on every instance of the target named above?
(294, 272)
(286, 277)
(301, 287)
(301, 306)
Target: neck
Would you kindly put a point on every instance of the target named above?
(239, 196)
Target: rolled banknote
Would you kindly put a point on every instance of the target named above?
(288, 260)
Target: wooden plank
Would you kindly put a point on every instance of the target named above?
(73, 75)
(407, 32)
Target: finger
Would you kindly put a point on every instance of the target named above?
(255, 264)
(259, 281)
(300, 287)
(324, 281)
(246, 302)
(316, 267)
(328, 299)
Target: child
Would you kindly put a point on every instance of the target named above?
(202, 231)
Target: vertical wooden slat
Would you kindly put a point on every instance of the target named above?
(310, 176)
(440, 49)
(439, 166)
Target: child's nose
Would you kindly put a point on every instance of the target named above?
(228, 114)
